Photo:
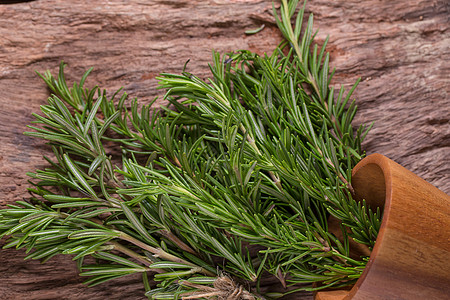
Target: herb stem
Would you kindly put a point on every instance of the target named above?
(142, 259)
(158, 252)
(177, 241)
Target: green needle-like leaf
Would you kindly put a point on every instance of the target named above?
(235, 177)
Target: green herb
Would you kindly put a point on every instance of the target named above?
(260, 154)
(253, 31)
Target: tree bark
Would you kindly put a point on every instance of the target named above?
(398, 48)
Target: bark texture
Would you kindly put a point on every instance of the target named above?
(400, 49)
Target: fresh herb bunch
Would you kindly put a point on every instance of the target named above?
(258, 157)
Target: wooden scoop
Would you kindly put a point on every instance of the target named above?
(411, 257)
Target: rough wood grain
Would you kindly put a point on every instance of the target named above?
(399, 48)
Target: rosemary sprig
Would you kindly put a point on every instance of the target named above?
(260, 154)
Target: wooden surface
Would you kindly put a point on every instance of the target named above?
(400, 49)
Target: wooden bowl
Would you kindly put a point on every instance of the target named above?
(411, 257)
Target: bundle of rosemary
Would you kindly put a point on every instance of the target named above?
(235, 178)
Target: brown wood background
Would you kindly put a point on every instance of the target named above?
(400, 49)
